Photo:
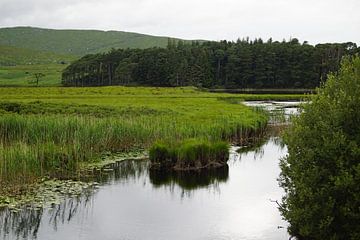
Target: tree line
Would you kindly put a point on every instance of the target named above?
(225, 64)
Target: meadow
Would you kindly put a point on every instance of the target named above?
(51, 131)
(24, 75)
(18, 66)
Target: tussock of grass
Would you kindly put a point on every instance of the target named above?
(190, 154)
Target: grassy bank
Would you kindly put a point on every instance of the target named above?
(50, 131)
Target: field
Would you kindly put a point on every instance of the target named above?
(23, 75)
(50, 131)
(11, 56)
(18, 66)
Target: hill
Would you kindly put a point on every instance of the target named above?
(18, 66)
(24, 75)
(76, 42)
(10, 56)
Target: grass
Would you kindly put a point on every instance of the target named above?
(21, 75)
(11, 56)
(18, 66)
(50, 131)
(189, 154)
(76, 42)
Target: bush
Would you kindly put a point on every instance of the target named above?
(321, 174)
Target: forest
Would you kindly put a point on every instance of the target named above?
(226, 64)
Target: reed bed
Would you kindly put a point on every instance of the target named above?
(44, 142)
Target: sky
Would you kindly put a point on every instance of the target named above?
(315, 21)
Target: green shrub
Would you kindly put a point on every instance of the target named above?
(321, 173)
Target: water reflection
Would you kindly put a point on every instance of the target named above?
(280, 111)
(120, 172)
(189, 181)
(26, 222)
(20, 225)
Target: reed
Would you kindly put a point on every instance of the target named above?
(192, 154)
(52, 136)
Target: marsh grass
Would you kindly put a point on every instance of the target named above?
(189, 154)
(53, 131)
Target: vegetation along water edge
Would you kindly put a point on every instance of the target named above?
(54, 132)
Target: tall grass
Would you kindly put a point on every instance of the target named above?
(190, 154)
(33, 146)
(53, 135)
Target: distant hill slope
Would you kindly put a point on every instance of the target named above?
(10, 56)
(76, 42)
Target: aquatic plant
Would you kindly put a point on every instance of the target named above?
(54, 131)
(189, 155)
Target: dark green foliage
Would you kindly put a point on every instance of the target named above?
(190, 154)
(241, 64)
(321, 174)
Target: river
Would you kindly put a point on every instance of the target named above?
(132, 202)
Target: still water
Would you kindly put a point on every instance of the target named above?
(135, 203)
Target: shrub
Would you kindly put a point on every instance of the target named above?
(321, 173)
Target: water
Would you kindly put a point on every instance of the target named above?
(135, 203)
(285, 108)
(230, 203)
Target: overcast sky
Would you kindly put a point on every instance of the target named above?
(312, 20)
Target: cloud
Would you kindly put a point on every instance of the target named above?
(315, 21)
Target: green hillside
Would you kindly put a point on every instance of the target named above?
(24, 75)
(76, 42)
(10, 56)
(18, 66)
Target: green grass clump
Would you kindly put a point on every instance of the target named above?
(160, 154)
(190, 154)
